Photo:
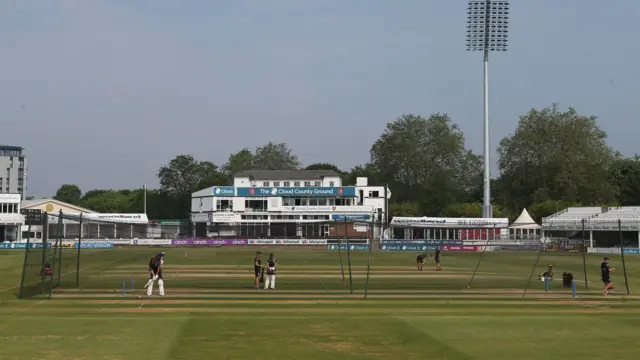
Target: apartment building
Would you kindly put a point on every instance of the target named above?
(13, 170)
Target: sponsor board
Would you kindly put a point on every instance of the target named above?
(121, 242)
(151, 242)
(224, 217)
(450, 222)
(347, 217)
(348, 191)
(208, 242)
(64, 244)
(125, 218)
(354, 247)
(351, 241)
(262, 242)
(114, 241)
(95, 245)
(314, 242)
(422, 242)
(74, 218)
(409, 247)
(308, 242)
(199, 217)
(613, 251)
(22, 246)
(224, 191)
(460, 248)
(364, 210)
(83, 245)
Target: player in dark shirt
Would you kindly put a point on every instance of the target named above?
(257, 268)
(160, 261)
(155, 273)
(154, 268)
(160, 258)
(436, 257)
(420, 261)
(606, 270)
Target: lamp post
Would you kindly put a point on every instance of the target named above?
(487, 28)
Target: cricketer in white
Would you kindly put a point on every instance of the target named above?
(270, 282)
(155, 274)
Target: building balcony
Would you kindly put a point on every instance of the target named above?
(6, 219)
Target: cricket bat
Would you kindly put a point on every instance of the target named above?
(262, 275)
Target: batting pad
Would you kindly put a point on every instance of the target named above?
(161, 287)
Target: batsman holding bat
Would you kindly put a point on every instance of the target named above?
(155, 273)
(271, 273)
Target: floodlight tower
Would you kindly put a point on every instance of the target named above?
(487, 28)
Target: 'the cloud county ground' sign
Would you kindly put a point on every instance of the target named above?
(346, 191)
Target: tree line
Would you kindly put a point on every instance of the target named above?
(552, 160)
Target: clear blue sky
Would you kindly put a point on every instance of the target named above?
(102, 93)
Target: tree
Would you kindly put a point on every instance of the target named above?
(162, 205)
(469, 210)
(240, 161)
(323, 166)
(185, 175)
(625, 175)
(548, 208)
(367, 170)
(404, 209)
(555, 155)
(69, 193)
(109, 202)
(92, 193)
(424, 160)
(275, 157)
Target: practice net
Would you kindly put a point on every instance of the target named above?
(91, 257)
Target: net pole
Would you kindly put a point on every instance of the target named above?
(45, 235)
(78, 253)
(624, 264)
(344, 281)
(486, 244)
(54, 259)
(535, 264)
(346, 233)
(26, 262)
(371, 235)
(59, 242)
(584, 258)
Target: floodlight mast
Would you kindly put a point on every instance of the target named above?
(487, 29)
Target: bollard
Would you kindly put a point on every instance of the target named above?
(573, 288)
(124, 285)
(546, 284)
(132, 280)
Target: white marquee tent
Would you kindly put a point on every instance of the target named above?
(524, 226)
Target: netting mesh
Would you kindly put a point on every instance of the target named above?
(313, 257)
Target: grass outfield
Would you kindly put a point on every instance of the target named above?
(211, 310)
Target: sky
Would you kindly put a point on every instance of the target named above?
(102, 93)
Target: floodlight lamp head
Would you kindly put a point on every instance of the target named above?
(487, 25)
